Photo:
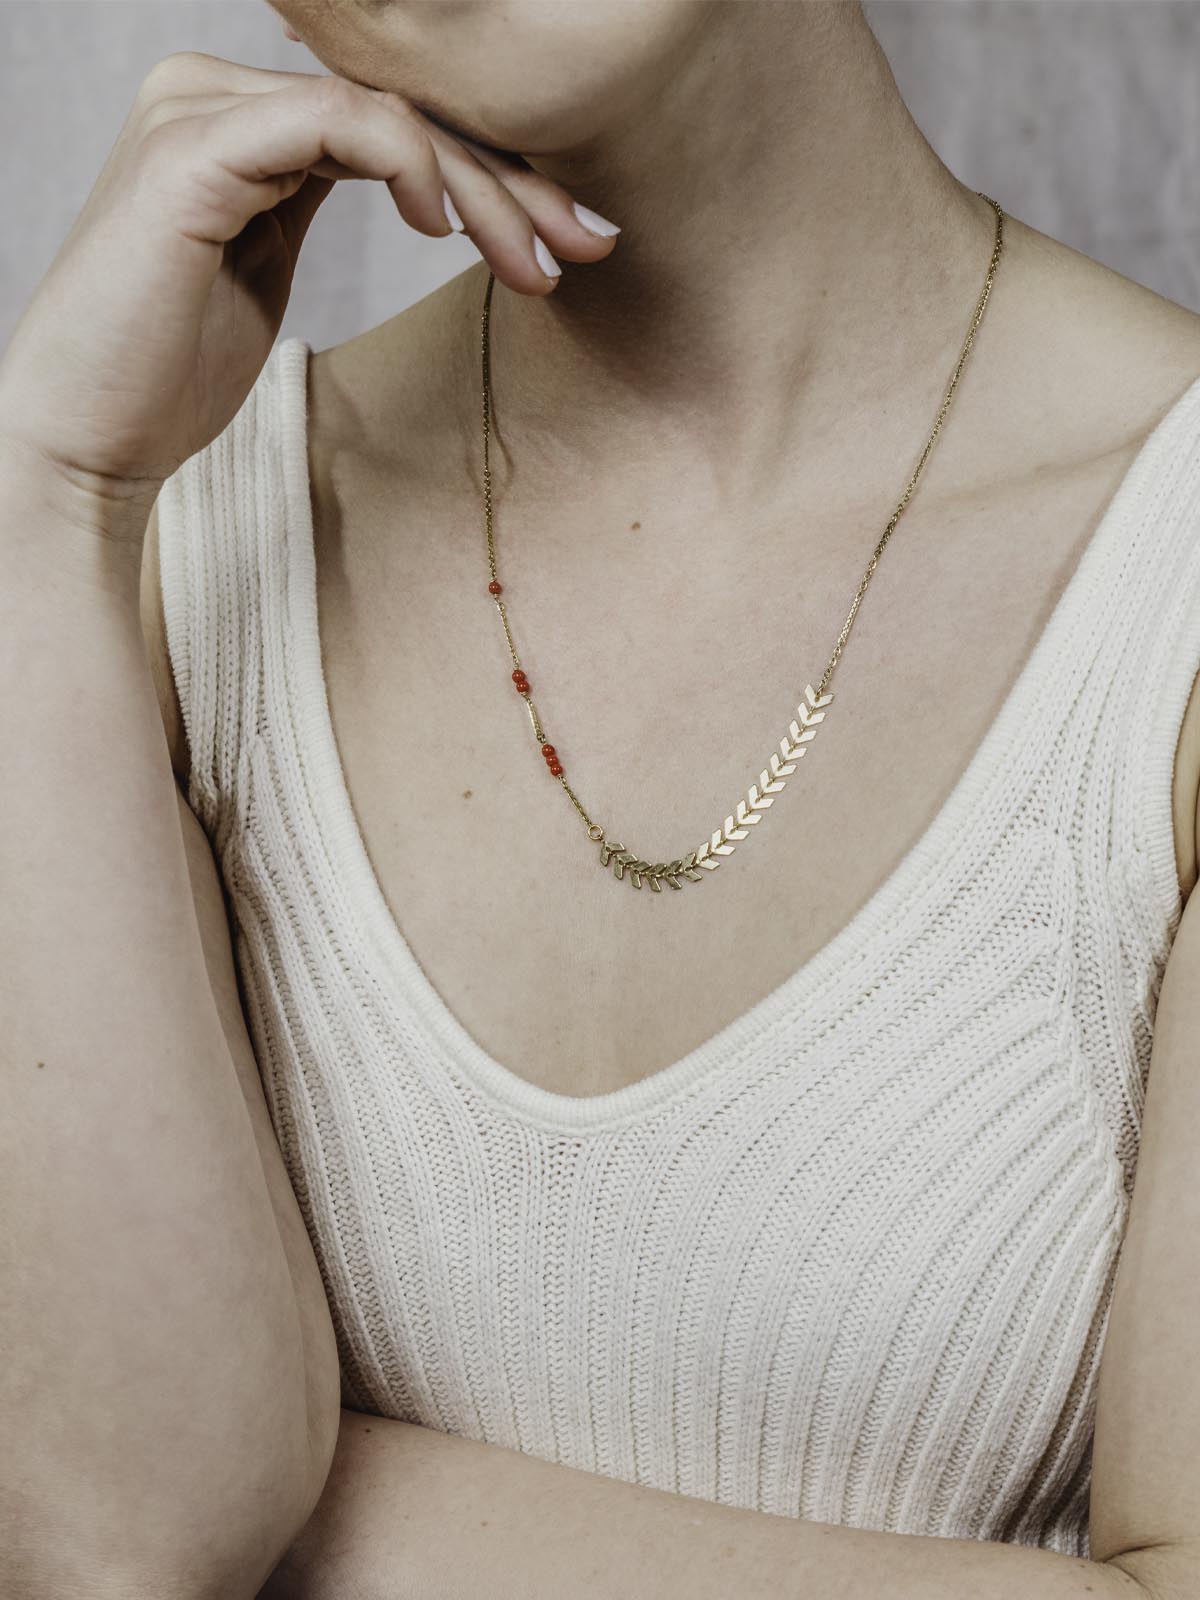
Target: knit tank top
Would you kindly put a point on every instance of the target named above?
(851, 1258)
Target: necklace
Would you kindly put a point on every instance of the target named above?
(802, 729)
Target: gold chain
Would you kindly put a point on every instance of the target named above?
(811, 711)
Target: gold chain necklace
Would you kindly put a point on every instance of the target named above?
(811, 710)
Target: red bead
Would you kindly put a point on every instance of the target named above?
(517, 675)
(494, 587)
(547, 749)
(556, 769)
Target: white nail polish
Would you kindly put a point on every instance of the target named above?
(451, 210)
(544, 259)
(594, 223)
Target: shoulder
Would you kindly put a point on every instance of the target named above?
(1108, 359)
(1091, 359)
(390, 407)
(385, 395)
(367, 399)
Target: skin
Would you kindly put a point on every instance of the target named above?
(707, 454)
(593, 96)
(730, 395)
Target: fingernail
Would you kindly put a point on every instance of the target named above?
(452, 216)
(594, 223)
(544, 259)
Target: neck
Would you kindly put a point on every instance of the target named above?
(793, 255)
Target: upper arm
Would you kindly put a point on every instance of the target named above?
(324, 1380)
(212, 917)
(1145, 1497)
(154, 635)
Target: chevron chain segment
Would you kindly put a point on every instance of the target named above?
(801, 731)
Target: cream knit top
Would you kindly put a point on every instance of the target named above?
(851, 1258)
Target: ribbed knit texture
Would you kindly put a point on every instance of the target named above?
(851, 1259)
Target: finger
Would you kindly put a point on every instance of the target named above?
(550, 207)
(326, 126)
(336, 129)
(497, 224)
(372, 133)
(192, 72)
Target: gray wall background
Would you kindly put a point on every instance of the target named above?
(1081, 117)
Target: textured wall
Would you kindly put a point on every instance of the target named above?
(1079, 116)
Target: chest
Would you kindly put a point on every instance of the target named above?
(666, 665)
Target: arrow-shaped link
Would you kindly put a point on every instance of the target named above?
(771, 780)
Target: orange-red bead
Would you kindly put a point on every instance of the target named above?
(547, 749)
(517, 675)
(494, 587)
(556, 769)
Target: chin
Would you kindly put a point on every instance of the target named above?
(525, 76)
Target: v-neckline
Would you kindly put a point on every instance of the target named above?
(332, 808)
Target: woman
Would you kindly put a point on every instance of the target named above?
(739, 1218)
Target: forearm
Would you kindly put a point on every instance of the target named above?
(408, 1512)
(152, 1386)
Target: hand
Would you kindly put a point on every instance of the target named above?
(160, 309)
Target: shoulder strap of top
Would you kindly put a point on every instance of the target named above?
(222, 541)
(1149, 621)
(1110, 782)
